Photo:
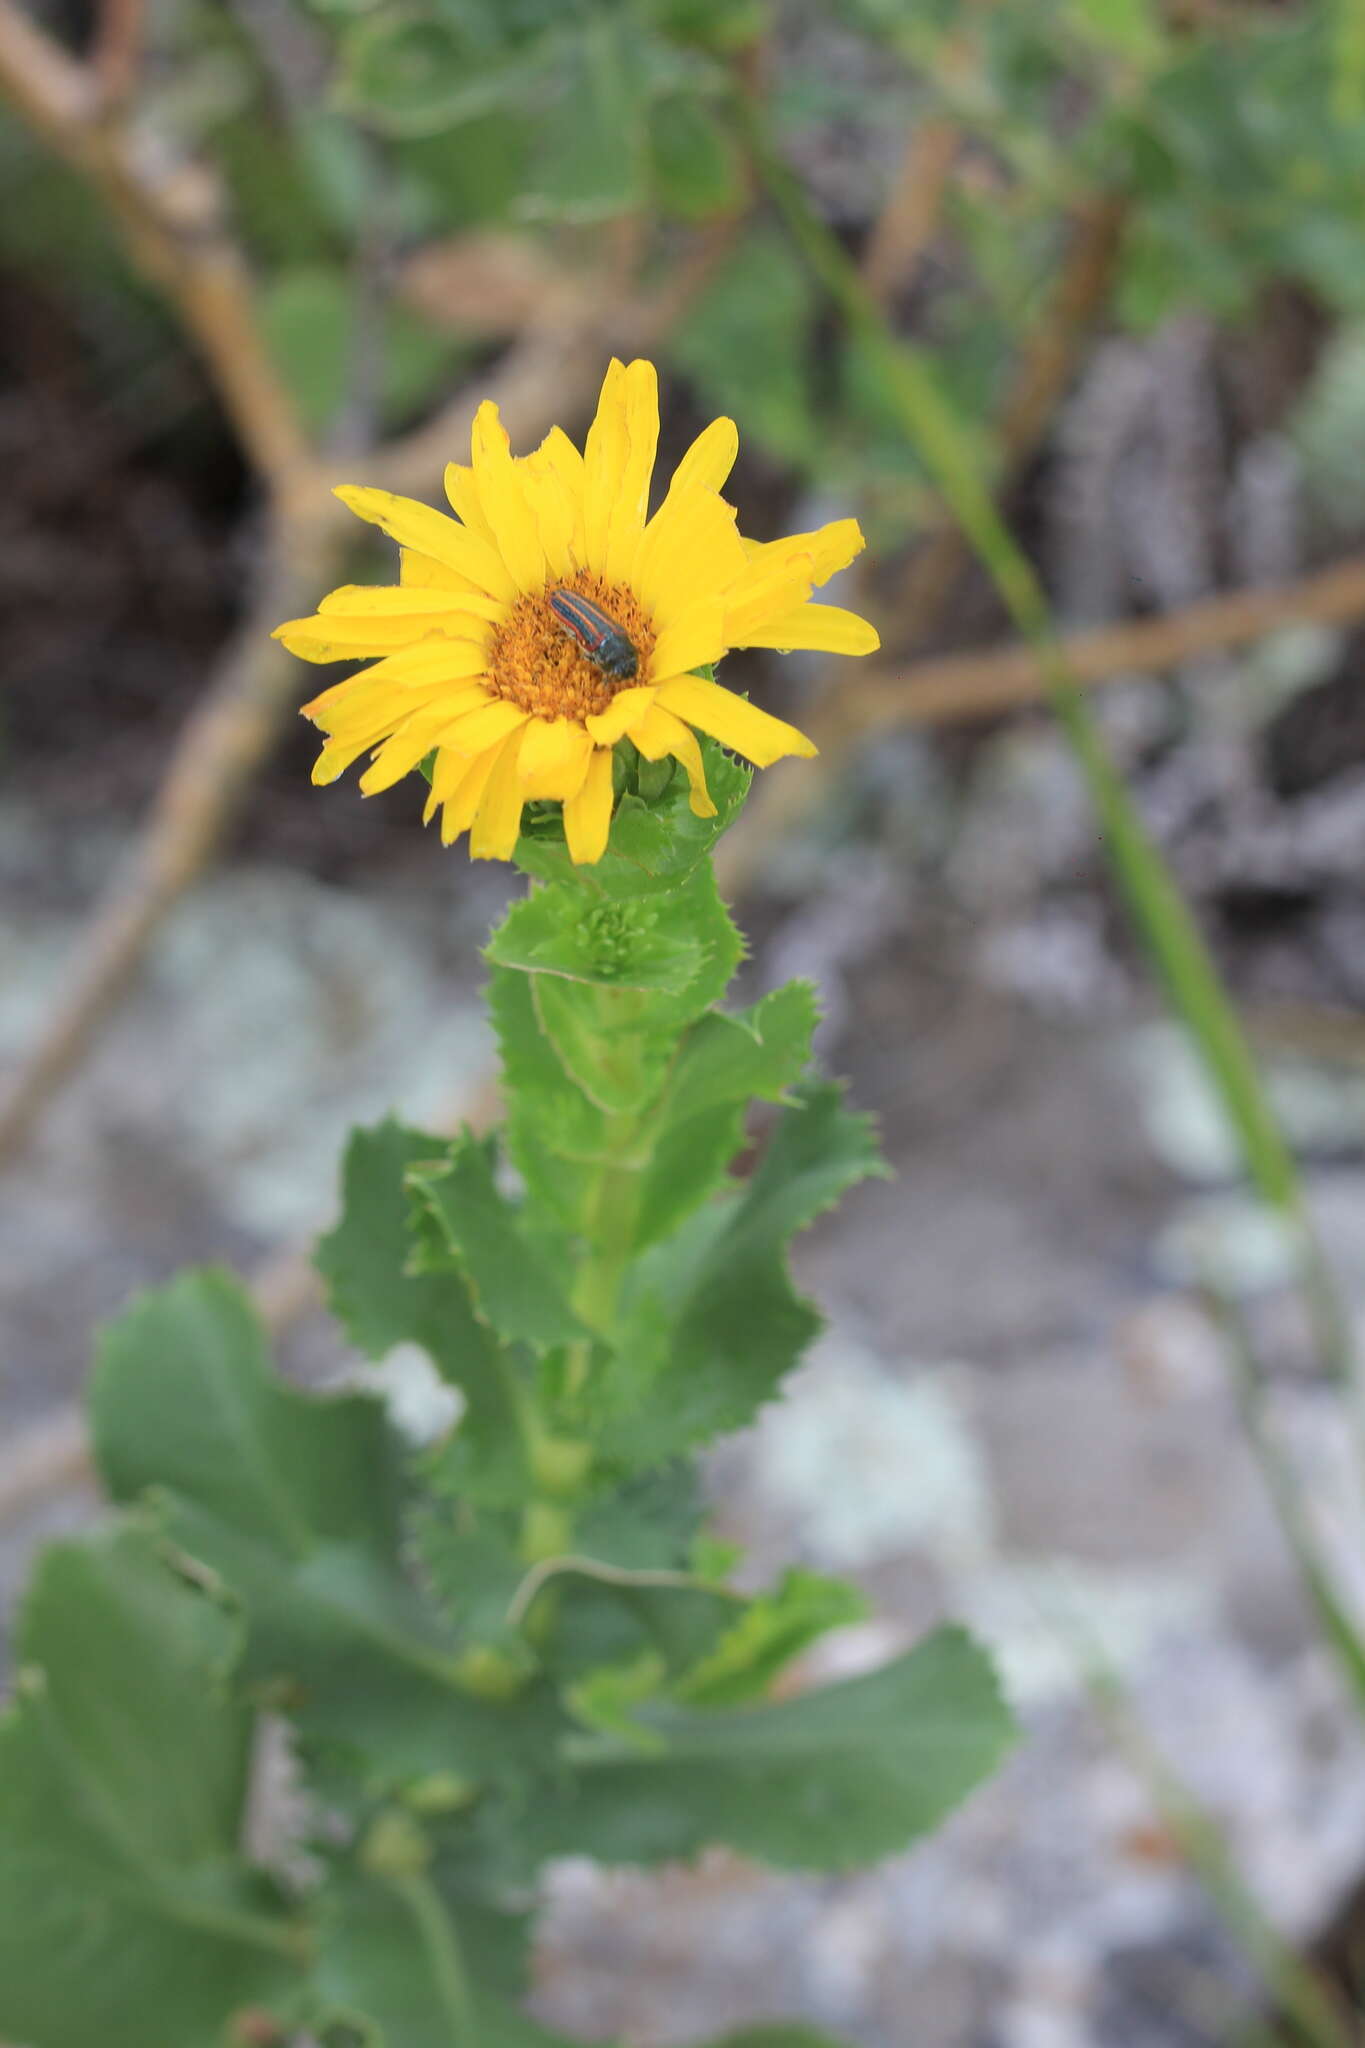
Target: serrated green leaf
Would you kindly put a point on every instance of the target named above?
(710, 1321)
(512, 1287)
(599, 1037)
(372, 1263)
(555, 1135)
(617, 944)
(773, 1628)
(123, 1777)
(618, 1043)
(840, 1776)
(722, 1065)
(294, 1502)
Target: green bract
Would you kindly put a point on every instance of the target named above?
(516, 1643)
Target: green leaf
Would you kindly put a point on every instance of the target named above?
(746, 345)
(555, 1134)
(123, 1778)
(694, 157)
(294, 1502)
(511, 1286)
(772, 1630)
(380, 1289)
(617, 1043)
(722, 1064)
(602, 1038)
(408, 1969)
(838, 1777)
(589, 158)
(711, 1312)
(308, 315)
(616, 944)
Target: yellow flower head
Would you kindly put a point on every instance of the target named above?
(520, 697)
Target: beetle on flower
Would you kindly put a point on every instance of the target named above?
(553, 617)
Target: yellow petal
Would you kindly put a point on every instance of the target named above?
(831, 548)
(549, 748)
(480, 728)
(338, 638)
(401, 679)
(694, 636)
(399, 601)
(557, 452)
(608, 726)
(463, 493)
(504, 501)
(690, 544)
(553, 509)
(466, 791)
(631, 504)
(605, 454)
(710, 458)
(381, 709)
(337, 756)
(434, 661)
(768, 590)
(732, 721)
(658, 733)
(398, 757)
(587, 815)
(823, 628)
(419, 572)
(414, 525)
(497, 821)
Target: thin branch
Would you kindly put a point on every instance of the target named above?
(909, 220)
(174, 219)
(1039, 384)
(956, 687)
(214, 761)
(117, 49)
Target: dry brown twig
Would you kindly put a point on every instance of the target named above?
(174, 218)
(908, 222)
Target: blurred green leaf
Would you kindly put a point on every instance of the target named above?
(760, 1642)
(842, 1775)
(746, 346)
(379, 1290)
(410, 1969)
(589, 158)
(295, 1504)
(694, 158)
(309, 319)
(123, 1780)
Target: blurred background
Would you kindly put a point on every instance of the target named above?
(248, 250)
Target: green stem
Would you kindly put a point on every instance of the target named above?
(443, 1951)
(1311, 2016)
(1286, 1491)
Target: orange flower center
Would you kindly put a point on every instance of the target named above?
(535, 662)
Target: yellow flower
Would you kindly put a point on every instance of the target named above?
(477, 666)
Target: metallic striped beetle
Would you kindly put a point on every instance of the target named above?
(599, 636)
